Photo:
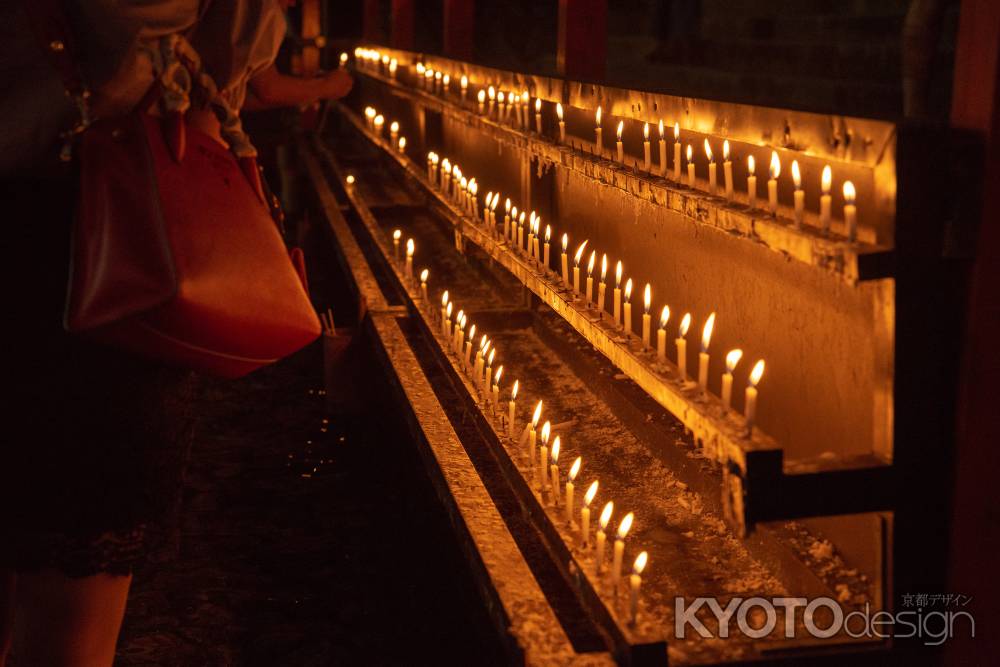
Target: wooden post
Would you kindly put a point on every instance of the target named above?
(583, 39)
(401, 33)
(459, 28)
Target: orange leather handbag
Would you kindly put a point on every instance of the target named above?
(175, 254)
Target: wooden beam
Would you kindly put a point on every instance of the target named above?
(459, 28)
(583, 39)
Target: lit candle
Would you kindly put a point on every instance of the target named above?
(370, 115)
(464, 85)
(627, 322)
(619, 551)
(488, 374)
(437, 81)
(444, 312)
(554, 471)
(825, 200)
(512, 410)
(663, 152)
(706, 339)
(394, 130)
(423, 284)
(445, 176)
(800, 196)
(435, 176)
(401, 145)
(750, 398)
(621, 147)
(711, 167)
(588, 498)
(682, 346)
(732, 358)
(506, 218)
(520, 232)
(538, 234)
(565, 261)
(447, 320)
(396, 236)
(618, 295)
(751, 182)
(429, 80)
(486, 208)
(430, 167)
(468, 347)
(772, 183)
(501, 106)
(661, 335)
(677, 152)
(531, 235)
(602, 536)
(601, 286)
(599, 132)
(590, 277)
(850, 212)
(543, 457)
(574, 470)
(350, 179)
(562, 124)
(481, 97)
(491, 93)
(647, 299)
(393, 66)
(576, 268)
(496, 389)
(493, 212)
(532, 432)
(635, 582)
(473, 199)
(647, 163)
(727, 170)
(379, 122)
(525, 103)
(446, 83)
(421, 70)
(409, 259)
(538, 115)
(343, 60)
(456, 334)
(478, 366)
(545, 248)
(690, 164)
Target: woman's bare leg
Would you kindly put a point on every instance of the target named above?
(69, 622)
(8, 584)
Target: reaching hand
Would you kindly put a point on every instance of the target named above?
(336, 84)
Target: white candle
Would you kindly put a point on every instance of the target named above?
(512, 410)
(531, 235)
(590, 277)
(394, 131)
(468, 347)
(491, 92)
(751, 183)
(496, 389)
(486, 208)
(481, 97)
(488, 374)
(464, 85)
(493, 213)
(520, 232)
(661, 335)
(677, 152)
(824, 200)
(478, 367)
(635, 582)
(565, 261)
(574, 470)
(423, 285)
(409, 259)
(445, 313)
(538, 234)
(378, 122)
(619, 551)
(706, 339)
(682, 346)
(397, 234)
(663, 152)
(543, 456)
(545, 248)
(601, 536)
(576, 267)
(732, 358)
(393, 66)
(538, 115)
(727, 170)
(711, 168)
(562, 125)
(850, 212)
(588, 498)
(506, 218)
(647, 158)
(554, 471)
(457, 333)
(772, 183)
(647, 298)
(598, 132)
(627, 322)
(620, 146)
(532, 434)
(798, 194)
(690, 164)
(750, 398)
(401, 145)
(617, 307)
(602, 287)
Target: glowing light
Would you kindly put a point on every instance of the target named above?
(756, 373)
(647, 297)
(481, 96)
(588, 497)
(559, 111)
(604, 267)
(574, 470)
(496, 378)
(548, 233)
(537, 415)
(496, 200)
(492, 354)
(827, 179)
(849, 193)
(690, 153)
(725, 150)
(661, 128)
(732, 358)
(556, 446)
(708, 150)
(350, 179)
(645, 132)
(565, 242)
(706, 332)
(775, 168)
(640, 563)
(751, 164)
(343, 58)
(628, 289)
(621, 127)
(538, 105)
(424, 274)
(590, 262)
(677, 132)
(682, 330)
(513, 392)
(546, 432)
(402, 143)
(491, 92)
(464, 82)
(444, 298)
(394, 127)
(597, 116)
(606, 514)
(397, 234)
(579, 253)
(625, 525)
(796, 174)
(618, 274)
(664, 317)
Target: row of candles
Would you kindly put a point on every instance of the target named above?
(516, 106)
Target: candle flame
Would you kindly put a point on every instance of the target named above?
(574, 469)
(565, 242)
(621, 127)
(556, 445)
(775, 168)
(677, 132)
(496, 378)
(604, 267)
(402, 143)
(548, 233)
(645, 131)
(437, 75)
(531, 221)
(618, 274)
(506, 205)
(394, 127)
(664, 317)
(640, 563)
(446, 165)
(397, 234)
(461, 314)
(492, 93)
(446, 80)
(465, 183)
(472, 332)
(538, 105)
(559, 111)
(513, 213)
(481, 96)
(628, 290)
(493, 353)
(849, 193)
(473, 187)
(489, 197)
(393, 65)
(827, 179)
(343, 58)
(421, 68)
(546, 431)
(625, 525)
(706, 332)
(796, 174)
(708, 150)
(590, 262)
(689, 152)
(520, 219)
(647, 297)
(579, 252)
(424, 274)
(482, 343)
(350, 179)
(513, 392)
(751, 164)
(409, 247)
(380, 120)
(732, 358)
(725, 150)
(369, 112)
(588, 497)
(464, 82)
(758, 370)
(661, 129)
(448, 310)
(537, 415)
(444, 298)
(682, 330)
(606, 514)
(462, 320)
(500, 97)
(598, 116)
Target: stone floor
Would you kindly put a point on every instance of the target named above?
(305, 541)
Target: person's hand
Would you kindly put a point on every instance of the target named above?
(336, 84)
